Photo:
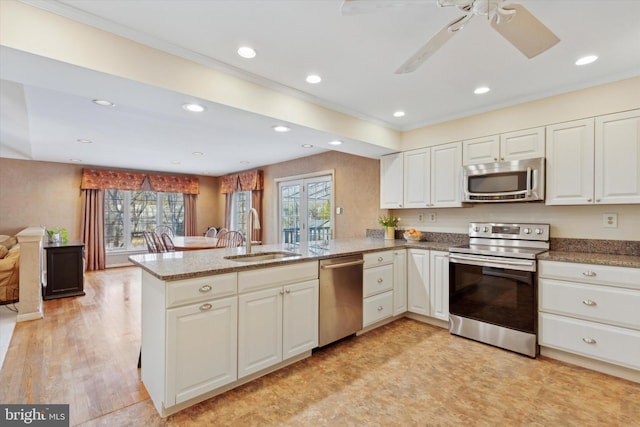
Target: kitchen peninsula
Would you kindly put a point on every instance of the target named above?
(215, 319)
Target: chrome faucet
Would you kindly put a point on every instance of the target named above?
(253, 223)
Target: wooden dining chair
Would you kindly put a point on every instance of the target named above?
(151, 244)
(229, 239)
(159, 230)
(211, 232)
(158, 242)
(168, 242)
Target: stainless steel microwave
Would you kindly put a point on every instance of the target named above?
(507, 181)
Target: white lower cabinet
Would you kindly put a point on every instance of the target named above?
(377, 287)
(399, 281)
(201, 348)
(591, 310)
(276, 324)
(418, 289)
(439, 286)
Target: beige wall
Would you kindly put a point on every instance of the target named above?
(357, 191)
(45, 193)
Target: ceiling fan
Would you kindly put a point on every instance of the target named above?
(513, 21)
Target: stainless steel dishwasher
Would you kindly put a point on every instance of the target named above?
(340, 298)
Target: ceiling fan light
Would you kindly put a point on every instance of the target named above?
(586, 60)
(481, 90)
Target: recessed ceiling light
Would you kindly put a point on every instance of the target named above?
(84, 141)
(246, 52)
(194, 108)
(197, 153)
(175, 162)
(398, 114)
(335, 142)
(104, 103)
(481, 90)
(313, 79)
(306, 145)
(75, 160)
(586, 60)
(244, 162)
(281, 128)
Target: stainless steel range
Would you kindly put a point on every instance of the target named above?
(493, 290)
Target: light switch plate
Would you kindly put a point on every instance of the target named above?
(610, 220)
(339, 211)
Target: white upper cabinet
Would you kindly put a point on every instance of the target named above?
(391, 181)
(522, 144)
(570, 153)
(481, 150)
(446, 162)
(594, 160)
(617, 158)
(417, 178)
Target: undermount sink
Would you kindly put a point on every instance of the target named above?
(260, 256)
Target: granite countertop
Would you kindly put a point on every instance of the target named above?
(189, 264)
(592, 258)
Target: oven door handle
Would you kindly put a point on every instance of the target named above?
(526, 265)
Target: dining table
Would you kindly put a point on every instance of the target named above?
(191, 243)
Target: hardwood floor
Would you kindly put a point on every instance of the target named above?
(84, 352)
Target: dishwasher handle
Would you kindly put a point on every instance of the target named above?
(343, 264)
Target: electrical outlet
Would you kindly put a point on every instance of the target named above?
(432, 217)
(420, 217)
(610, 220)
(339, 211)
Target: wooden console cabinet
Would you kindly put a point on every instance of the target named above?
(65, 270)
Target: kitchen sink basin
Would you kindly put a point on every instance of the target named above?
(261, 256)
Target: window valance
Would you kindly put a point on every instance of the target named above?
(243, 181)
(102, 179)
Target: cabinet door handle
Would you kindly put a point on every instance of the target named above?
(380, 280)
(589, 273)
(589, 340)
(281, 292)
(589, 302)
(205, 288)
(380, 308)
(288, 291)
(205, 307)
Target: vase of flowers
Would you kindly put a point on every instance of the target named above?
(389, 222)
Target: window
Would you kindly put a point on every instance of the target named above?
(240, 205)
(128, 213)
(305, 209)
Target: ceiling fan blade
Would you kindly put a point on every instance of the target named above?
(432, 45)
(524, 31)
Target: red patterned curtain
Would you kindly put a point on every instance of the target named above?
(102, 179)
(243, 181)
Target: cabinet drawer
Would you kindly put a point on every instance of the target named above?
(603, 342)
(372, 259)
(591, 273)
(607, 304)
(377, 307)
(263, 278)
(201, 288)
(377, 279)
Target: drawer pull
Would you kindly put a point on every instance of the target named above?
(380, 308)
(589, 302)
(589, 273)
(380, 259)
(205, 288)
(205, 307)
(380, 280)
(589, 340)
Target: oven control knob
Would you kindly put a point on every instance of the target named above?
(476, 228)
(485, 229)
(527, 231)
(538, 230)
